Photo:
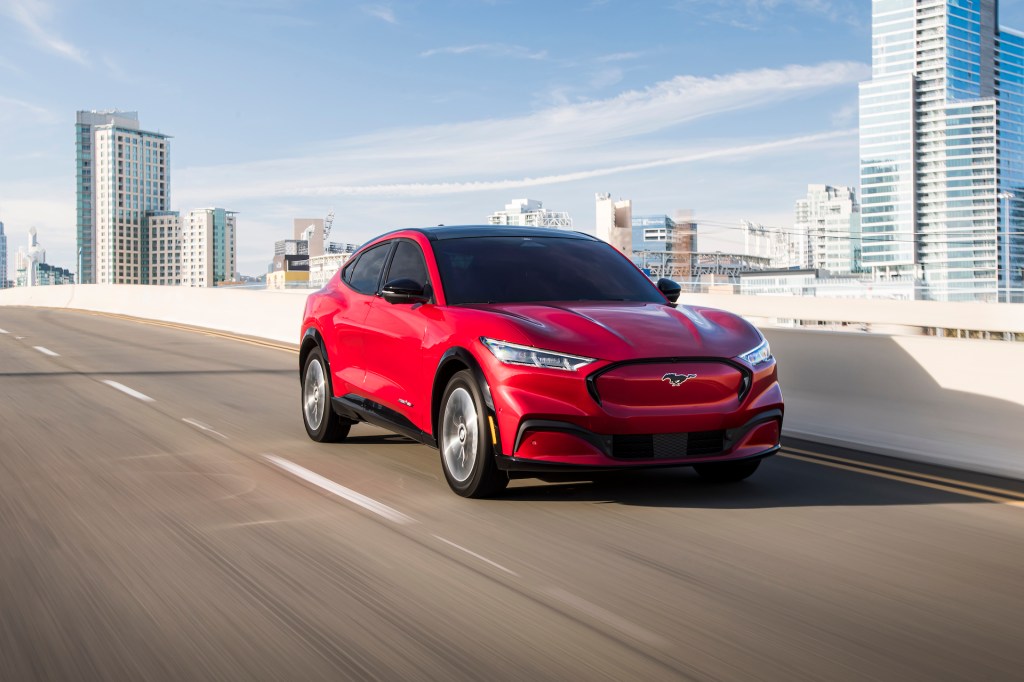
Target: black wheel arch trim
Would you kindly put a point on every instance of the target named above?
(461, 355)
(311, 333)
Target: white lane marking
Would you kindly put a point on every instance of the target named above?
(46, 351)
(4, 331)
(367, 503)
(607, 617)
(130, 391)
(474, 554)
(204, 427)
(19, 338)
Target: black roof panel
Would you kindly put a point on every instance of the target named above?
(467, 231)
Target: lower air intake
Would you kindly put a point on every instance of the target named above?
(668, 445)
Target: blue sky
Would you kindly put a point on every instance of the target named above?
(415, 113)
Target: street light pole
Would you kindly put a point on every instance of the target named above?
(1005, 270)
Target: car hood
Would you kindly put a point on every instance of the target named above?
(626, 330)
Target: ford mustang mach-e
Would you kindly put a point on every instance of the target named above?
(530, 351)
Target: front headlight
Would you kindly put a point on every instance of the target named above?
(759, 355)
(514, 354)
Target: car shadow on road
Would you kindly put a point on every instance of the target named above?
(779, 483)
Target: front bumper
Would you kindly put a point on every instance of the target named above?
(547, 421)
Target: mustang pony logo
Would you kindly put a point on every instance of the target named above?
(677, 379)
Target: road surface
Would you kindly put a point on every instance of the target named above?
(163, 516)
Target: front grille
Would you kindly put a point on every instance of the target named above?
(668, 445)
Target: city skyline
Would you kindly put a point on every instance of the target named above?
(395, 114)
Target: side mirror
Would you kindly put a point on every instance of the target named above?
(669, 288)
(404, 291)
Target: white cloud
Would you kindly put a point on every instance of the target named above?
(636, 143)
(437, 189)
(382, 12)
(32, 15)
(618, 57)
(489, 49)
(596, 134)
(12, 108)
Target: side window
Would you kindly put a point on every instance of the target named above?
(408, 264)
(365, 272)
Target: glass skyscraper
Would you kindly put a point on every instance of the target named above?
(941, 144)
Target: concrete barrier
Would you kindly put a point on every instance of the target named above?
(953, 402)
(956, 402)
(275, 315)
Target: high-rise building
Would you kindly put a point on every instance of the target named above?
(208, 250)
(829, 219)
(3, 257)
(664, 246)
(123, 176)
(615, 222)
(164, 229)
(942, 149)
(530, 213)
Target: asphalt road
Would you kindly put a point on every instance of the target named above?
(187, 529)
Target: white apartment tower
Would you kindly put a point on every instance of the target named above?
(941, 149)
(829, 218)
(123, 176)
(164, 229)
(208, 248)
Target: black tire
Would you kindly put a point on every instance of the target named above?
(463, 431)
(727, 472)
(315, 401)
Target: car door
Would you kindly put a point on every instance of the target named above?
(360, 280)
(399, 367)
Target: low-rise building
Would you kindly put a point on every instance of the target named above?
(664, 247)
(821, 283)
(322, 268)
(530, 213)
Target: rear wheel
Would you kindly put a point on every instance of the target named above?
(466, 453)
(727, 472)
(322, 424)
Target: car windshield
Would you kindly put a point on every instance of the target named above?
(530, 269)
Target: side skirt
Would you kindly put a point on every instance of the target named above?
(358, 408)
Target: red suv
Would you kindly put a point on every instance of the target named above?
(528, 351)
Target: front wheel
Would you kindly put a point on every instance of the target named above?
(322, 424)
(466, 453)
(727, 472)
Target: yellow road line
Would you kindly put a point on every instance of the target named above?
(930, 477)
(1009, 501)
